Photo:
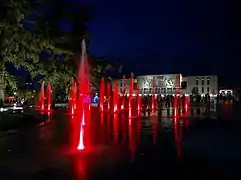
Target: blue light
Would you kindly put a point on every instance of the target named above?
(96, 99)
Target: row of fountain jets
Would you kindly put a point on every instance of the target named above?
(81, 86)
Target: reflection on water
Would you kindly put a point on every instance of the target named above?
(109, 139)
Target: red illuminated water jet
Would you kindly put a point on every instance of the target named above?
(186, 103)
(153, 95)
(108, 95)
(138, 102)
(42, 97)
(131, 94)
(115, 97)
(102, 94)
(124, 92)
(83, 105)
(73, 97)
(49, 96)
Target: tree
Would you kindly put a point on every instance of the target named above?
(60, 70)
(19, 45)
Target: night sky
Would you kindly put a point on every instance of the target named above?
(186, 36)
(172, 36)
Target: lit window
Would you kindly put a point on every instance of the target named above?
(197, 81)
(202, 81)
(208, 81)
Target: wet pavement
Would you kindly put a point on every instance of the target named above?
(194, 145)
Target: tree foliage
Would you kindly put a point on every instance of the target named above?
(31, 28)
(59, 71)
(18, 45)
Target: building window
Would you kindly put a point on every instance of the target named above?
(208, 81)
(207, 89)
(197, 81)
(202, 81)
(202, 89)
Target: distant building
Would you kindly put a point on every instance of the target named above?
(149, 84)
(202, 84)
(170, 84)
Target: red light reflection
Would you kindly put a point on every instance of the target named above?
(178, 131)
(155, 130)
(116, 128)
(131, 142)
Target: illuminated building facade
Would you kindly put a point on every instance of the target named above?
(202, 84)
(152, 84)
(159, 84)
(171, 84)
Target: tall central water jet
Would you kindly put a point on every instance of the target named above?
(83, 93)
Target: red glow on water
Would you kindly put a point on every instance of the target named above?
(102, 93)
(178, 137)
(49, 117)
(155, 128)
(131, 142)
(116, 128)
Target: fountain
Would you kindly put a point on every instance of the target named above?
(138, 100)
(131, 93)
(49, 97)
(83, 95)
(123, 93)
(41, 104)
(153, 95)
(73, 96)
(42, 97)
(108, 95)
(115, 97)
(102, 94)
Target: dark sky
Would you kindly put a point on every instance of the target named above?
(156, 36)
(173, 36)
